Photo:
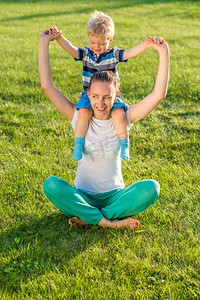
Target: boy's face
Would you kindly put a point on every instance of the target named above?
(99, 44)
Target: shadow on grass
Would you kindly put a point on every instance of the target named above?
(38, 246)
(105, 4)
(130, 2)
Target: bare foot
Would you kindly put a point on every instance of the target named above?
(128, 223)
(76, 222)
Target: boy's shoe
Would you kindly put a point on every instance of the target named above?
(78, 150)
(124, 147)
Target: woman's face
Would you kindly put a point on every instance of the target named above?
(102, 96)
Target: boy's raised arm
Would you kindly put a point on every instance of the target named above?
(67, 46)
(64, 43)
(136, 50)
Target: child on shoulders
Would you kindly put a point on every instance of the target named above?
(98, 57)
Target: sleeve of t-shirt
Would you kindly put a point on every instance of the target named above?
(129, 125)
(74, 120)
(81, 54)
(119, 54)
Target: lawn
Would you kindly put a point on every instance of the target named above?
(41, 257)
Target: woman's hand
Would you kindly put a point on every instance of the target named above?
(154, 40)
(50, 34)
(157, 43)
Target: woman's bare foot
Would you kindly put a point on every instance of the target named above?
(128, 223)
(76, 222)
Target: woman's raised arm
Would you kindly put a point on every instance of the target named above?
(145, 106)
(61, 103)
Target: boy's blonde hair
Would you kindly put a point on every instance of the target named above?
(101, 24)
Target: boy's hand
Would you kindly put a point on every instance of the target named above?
(152, 41)
(157, 43)
(48, 34)
(53, 32)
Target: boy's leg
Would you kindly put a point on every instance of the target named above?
(132, 200)
(71, 201)
(81, 128)
(119, 117)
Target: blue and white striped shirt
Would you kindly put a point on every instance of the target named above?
(103, 62)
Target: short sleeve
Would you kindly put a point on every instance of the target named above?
(81, 53)
(119, 54)
(74, 120)
(129, 125)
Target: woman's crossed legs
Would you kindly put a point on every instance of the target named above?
(85, 209)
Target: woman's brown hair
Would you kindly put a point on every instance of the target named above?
(105, 76)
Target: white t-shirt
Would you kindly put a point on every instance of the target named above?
(99, 170)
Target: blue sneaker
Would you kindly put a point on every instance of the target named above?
(124, 147)
(78, 150)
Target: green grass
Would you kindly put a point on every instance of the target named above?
(41, 257)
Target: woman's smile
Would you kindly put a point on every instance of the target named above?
(102, 96)
(101, 109)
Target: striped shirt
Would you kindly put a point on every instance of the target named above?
(103, 62)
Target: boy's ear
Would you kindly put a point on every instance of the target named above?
(110, 40)
(88, 92)
(117, 94)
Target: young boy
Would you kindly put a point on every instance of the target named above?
(98, 56)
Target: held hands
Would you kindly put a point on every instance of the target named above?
(53, 30)
(154, 40)
(51, 33)
(157, 43)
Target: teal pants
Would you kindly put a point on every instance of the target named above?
(118, 203)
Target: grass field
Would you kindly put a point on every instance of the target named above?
(40, 256)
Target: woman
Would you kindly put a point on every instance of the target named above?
(99, 197)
